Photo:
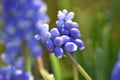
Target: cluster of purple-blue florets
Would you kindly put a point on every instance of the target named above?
(15, 71)
(20, 20)
(65, 37)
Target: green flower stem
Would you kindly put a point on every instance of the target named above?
(82, 71)
(56, 67)
(27, 60)
(75, 70)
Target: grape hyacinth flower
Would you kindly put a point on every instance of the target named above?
(15, 71)
(116, 70)
(65, 37)
(22, 19)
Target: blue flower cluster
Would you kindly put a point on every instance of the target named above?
(22, 20)
(116, 70)
(66, 36)
(15, 71)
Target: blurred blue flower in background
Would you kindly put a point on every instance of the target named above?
(15, 71)
(116, 70)
(22, 20)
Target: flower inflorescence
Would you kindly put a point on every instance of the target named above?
(15, 71)
(21, 20)
(65, 37)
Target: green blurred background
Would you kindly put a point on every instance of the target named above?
(99, 23)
